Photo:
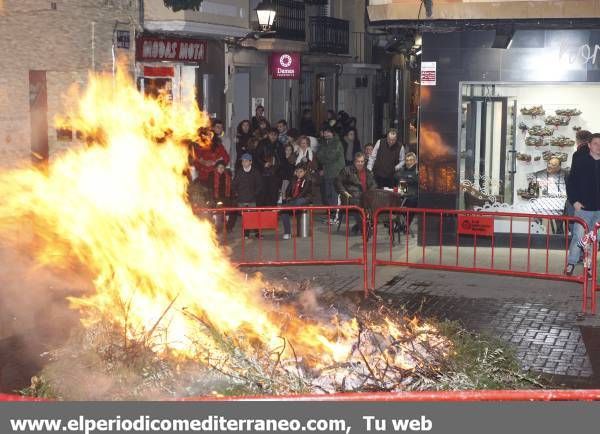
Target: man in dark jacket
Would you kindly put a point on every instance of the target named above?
(583, 191)
(408, 178)
(386, 159)
(267, 161)
(246, 186)
(352, 182)
(331, 159)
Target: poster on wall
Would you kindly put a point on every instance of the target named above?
(257, 102)
(428, 73)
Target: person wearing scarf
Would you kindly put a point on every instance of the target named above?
(298, 193)
(219, 186)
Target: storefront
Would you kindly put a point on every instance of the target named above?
(187, 70)
(498, 125)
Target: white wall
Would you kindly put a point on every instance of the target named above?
(585, 97)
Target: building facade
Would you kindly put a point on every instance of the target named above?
(49, 46)
(484, 68)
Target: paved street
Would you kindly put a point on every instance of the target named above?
(539, 318)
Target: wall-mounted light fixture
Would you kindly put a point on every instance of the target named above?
(265, 11)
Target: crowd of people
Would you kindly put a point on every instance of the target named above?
(265, 165)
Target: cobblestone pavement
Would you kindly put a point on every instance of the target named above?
(540, 319)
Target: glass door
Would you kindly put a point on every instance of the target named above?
(487, 150)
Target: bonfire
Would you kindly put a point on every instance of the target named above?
(167, 301)
(168, 314)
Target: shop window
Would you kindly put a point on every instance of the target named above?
(516, 144)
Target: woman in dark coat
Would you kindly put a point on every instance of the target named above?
(242, 138)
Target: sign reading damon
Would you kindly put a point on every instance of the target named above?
(170, 49)
(285, 65)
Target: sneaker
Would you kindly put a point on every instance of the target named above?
(569, 269)
(286, 236)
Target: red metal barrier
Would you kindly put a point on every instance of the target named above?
(594, 265)
(470, 228)
(270, 249)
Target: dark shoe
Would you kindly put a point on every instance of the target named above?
(569, 269)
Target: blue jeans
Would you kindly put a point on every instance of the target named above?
(591, 218)
(329, 196)
(285, 215)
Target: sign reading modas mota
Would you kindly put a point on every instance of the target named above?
(170, 49)
(285, 65)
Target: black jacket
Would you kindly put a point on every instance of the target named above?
(387, 159)
(305, 189)
(348, 180)
(582, 150)
(247, 186)
(411, 177)
(584, 182)
(266, 151)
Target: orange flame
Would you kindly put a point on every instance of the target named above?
(119, 208)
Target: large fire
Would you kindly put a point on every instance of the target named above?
(118, 207)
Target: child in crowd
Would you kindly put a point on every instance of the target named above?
(220, 192)
(298, 193)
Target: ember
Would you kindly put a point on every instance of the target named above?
(163, 287)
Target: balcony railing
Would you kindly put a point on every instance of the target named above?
(328, 35)
(289, 20)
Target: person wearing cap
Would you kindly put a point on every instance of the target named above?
(246, 186)
(331, 159)
(220, 192)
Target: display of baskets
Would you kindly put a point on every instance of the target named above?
(557, 121)
(568, 112)
(562, 141)
(538, 130)
(536, 110)
(535, 141)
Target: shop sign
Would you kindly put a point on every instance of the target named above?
(285, 65)
(428, 73)
(170, 49)
(482, 226)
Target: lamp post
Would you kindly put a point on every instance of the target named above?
(265, 12)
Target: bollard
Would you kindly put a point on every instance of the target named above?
(303, 224)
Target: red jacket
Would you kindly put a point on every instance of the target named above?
(208, 154)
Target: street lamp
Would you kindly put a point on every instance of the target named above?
(265, 12)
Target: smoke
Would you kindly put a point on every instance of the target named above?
(34, 314)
